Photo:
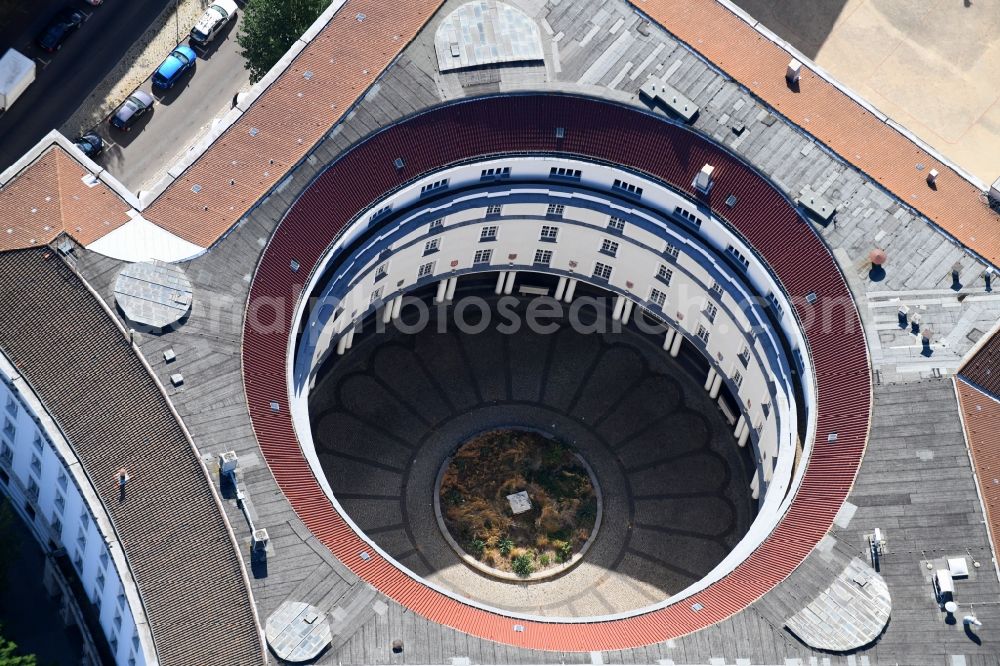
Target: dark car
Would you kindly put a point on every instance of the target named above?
(62, 25)
(90, 143)
(179, 61)
(133, 108)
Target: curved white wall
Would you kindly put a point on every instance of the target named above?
(388, 263)
(50, 490)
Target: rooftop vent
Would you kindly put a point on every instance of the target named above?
(294, 265)
(560, 132)
(731, 200)
(275, 407)
(811, 297)
(703, 182)
(254, 131)
(398, 163)
(695, 607)
(307, 75)
(793, 72)
(196, 188)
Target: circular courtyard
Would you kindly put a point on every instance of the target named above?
(674, 485)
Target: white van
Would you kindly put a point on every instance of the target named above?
(211, 23)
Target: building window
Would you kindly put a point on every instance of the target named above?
(482, 257)
(12, 406)
(494, 173)
(381, 212)
(57, 526)
(6, 454)
(616, 223)
(711, 311)
(765, 407)
(62, 479)
(549, 233)
(375, 295)
(776, 304)
(425, 270)
(664, 275)
(543, 257)
(85, 519)
(744, 356)
(602, 271)
(32, 490)
(609, 247)
(737, 378)
(562, 172)
(436, 225)
(555, 210)
(739, 257)
(627, 188)
(687, 215)
(703, 333)
(494, 210)
(433, 187)
(36, 464)
(716, 289)
(658, 297)
(9, 430)
(432, 246)
(381, 271)
(60, 503)
(38, 442)
(488, 233)
(670, 251)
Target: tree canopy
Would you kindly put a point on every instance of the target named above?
(269, 29)
(9, 656)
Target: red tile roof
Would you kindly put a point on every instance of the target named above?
(981, 416)
(610, 133)
(286, 121)
(983, 367)
(49, 197)
(820, 108)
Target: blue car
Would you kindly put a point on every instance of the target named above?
(179, 61)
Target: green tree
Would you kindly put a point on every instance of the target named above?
(269, 29)
(9, 656)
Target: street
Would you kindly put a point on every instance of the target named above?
(140, 156)
(64, 79)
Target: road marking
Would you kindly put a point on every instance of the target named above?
(45, 63)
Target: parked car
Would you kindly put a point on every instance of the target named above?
(90, 143)
(133, 108)
(179, 61)
(211, 23)
(62, 25)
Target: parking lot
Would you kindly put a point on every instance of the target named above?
(140, 156)
(103, 44)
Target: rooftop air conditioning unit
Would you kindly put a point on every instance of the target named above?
(259, 540)
(228, 462)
